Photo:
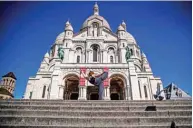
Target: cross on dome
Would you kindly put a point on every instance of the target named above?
(96, 9)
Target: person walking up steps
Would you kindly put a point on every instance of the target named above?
(97, 81)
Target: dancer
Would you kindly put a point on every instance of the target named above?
(97, 81)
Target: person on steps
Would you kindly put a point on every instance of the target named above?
(97, 81)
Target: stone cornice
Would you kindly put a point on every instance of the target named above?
(93, 65)
(95, 39)
(108, 41)
(78, 41)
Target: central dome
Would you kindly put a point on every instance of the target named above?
(104, 22)
(98, 17)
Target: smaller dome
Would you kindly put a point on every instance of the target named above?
(60, 36)
(67, 23)
(68, 26)
(143, 55)
(123, 23)
(120, 28)
(96, 5)
(46, 55)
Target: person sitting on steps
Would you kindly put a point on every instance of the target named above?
(97, 81)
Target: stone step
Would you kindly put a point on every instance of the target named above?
(100, 103)
(94, 108)
(90, 121)
(71, 126)
(15, 112)
(95, 104)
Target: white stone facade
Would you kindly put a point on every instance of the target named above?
(94, 47)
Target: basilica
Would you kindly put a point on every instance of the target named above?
(94, 48)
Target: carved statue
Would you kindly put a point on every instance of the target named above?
(128, 54)
(60, 53)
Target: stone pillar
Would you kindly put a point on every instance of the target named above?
(122, 55)
(107, 93)
(128, 92)
(134, 90)
(61, 92)
(105, 56)
(102, 56)
(82, 86)
(90, 60)
(54, 90)
(116, 57)
(66, 55)
(71, 53)
(87, 56)
(82, 93)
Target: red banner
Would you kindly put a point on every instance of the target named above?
(106, 81)
(82, 79)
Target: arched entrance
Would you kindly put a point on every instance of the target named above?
(117, 90)
(71, 90)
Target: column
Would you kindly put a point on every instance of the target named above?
(122, 54)
(107, 93)
(66, 55)
(82, 86)
(54, 90)
(71, 59)
(105, 56)
(90, 60)
(102, 56)
(134, 90)
(61, 92)
(82, 93)
(87, 56)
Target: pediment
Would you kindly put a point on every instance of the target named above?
(108, 36)
(80, 35)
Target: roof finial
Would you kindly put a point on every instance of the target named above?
(96, 9)
(124, 25)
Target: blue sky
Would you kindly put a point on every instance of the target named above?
(163, 30)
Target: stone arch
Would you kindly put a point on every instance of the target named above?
(78, 45)
(121, 74)
(117, 84)
(71, 87)
(95, 52)
(137, 66)
(95, 20)
(66, 74)
(51, 68)
(113, 46)
(93, 43)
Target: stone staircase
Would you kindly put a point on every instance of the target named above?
(99, 114)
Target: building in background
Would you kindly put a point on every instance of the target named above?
(173, 92)
(7, 86)
(94, 47)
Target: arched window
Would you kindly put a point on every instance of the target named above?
(78, 59)
(43, 93)
(123, 45)
(131, 50)
(30, 95)
(139, 88)
(111, 59)
(145, 91)
(95, 53)
(95, 29)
